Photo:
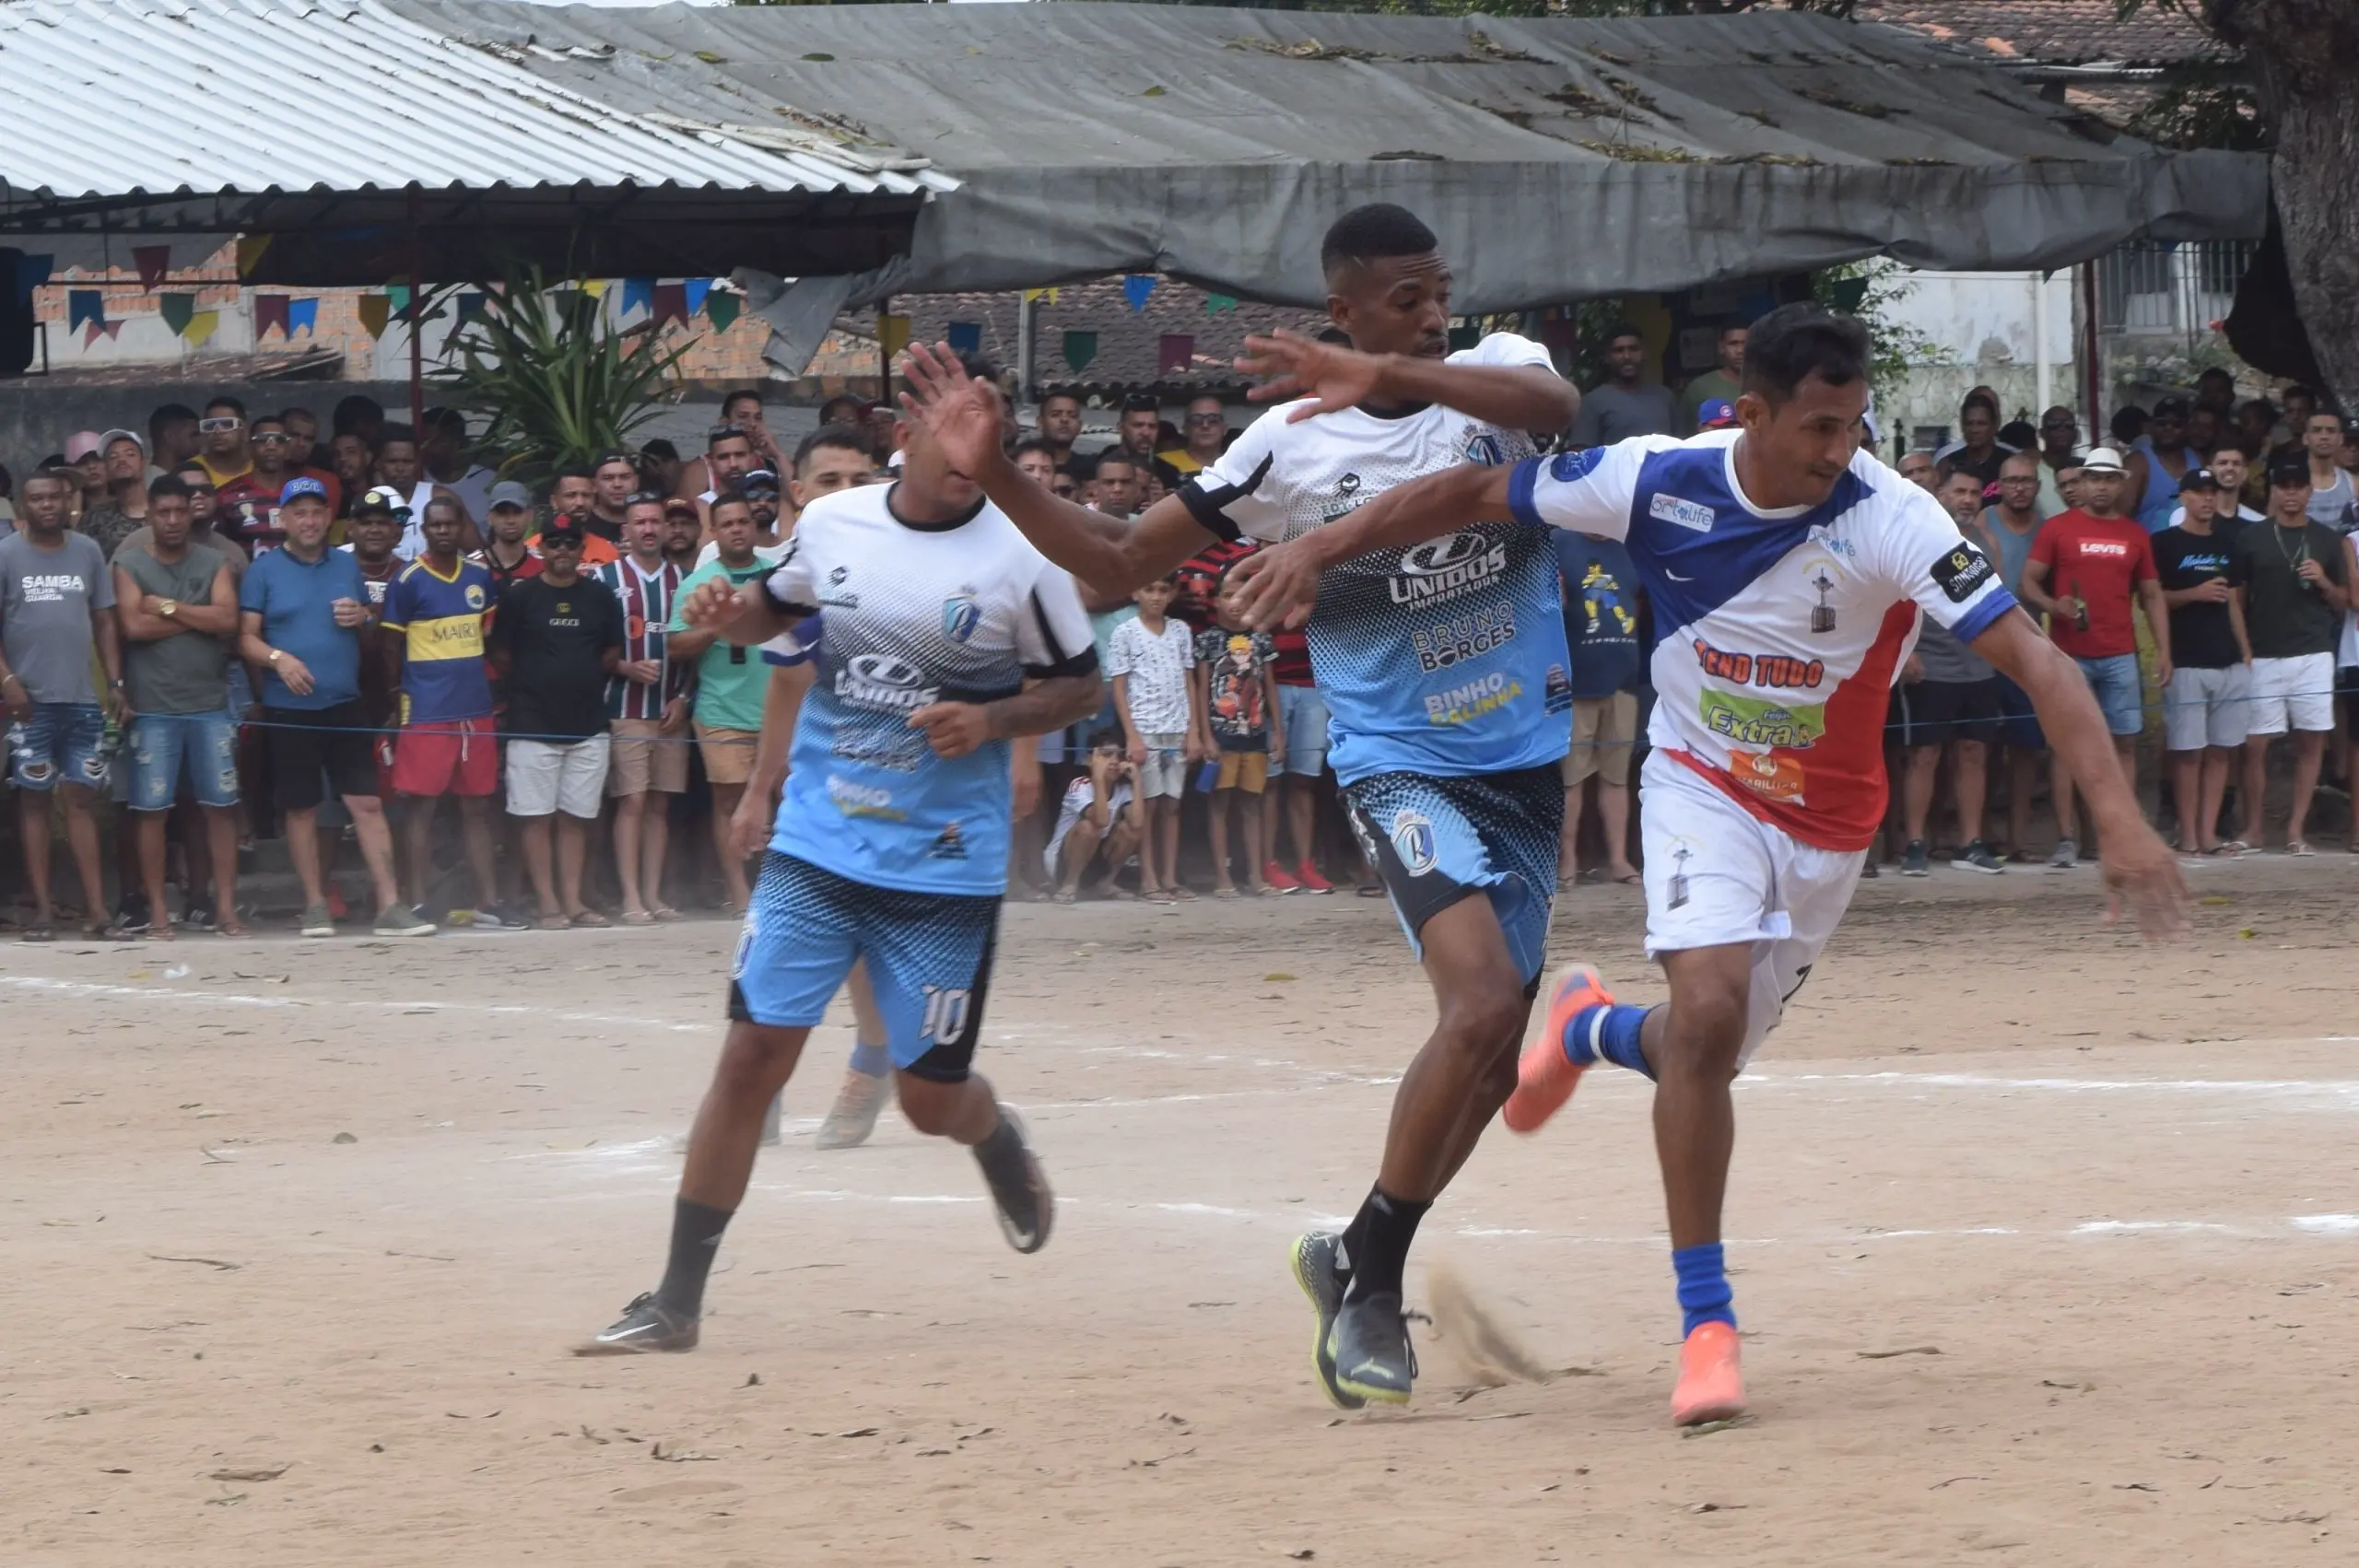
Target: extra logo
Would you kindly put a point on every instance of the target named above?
(475, 596)
(1693, 515)
(1412, 840)
(1446, 568)
(1961, 572)
(960, 615)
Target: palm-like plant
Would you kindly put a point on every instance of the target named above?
(557, 382)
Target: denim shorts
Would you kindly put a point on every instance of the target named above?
(161, 744)
(60, 741)
(1305, 712)
(2114, 680)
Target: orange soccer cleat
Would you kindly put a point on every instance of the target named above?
(1712, 1383)
(1547, 1077)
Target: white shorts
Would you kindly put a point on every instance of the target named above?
(545, 778)
(1717, 875)
(2206, 708)
(2296, 693)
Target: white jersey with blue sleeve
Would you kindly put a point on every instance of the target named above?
(1779, 633)
(1446, 658)
(914, 614)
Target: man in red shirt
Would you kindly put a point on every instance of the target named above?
(2085, 568)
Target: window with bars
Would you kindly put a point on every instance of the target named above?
(2149, 288)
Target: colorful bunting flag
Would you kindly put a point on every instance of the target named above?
(153, 262)
(91, 332)
(1220, 304)
(964, 337)
(1137, 288)
(31, 273)
(1050, 295)
(1175, 354)
(249, 250)
(203, 325)
(639, 294)
(471, 305)
(270, 311)
(176, 310)
(671, 302)
(695, 290)
(1081, 347)
(84, 305)
(303, 315)
(722, 308)
(595, 288)
(892, 334)
(397, 299)
(375, 311)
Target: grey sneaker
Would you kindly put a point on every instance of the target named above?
(646, 1325)
(317, 921)
(1369, 1346)
(1318, 1268)
(1868, 871)
(2067, 855)
(1976, 857)
(1915, 860)
(1019, 1187)
(853, 1115)
(400, 920)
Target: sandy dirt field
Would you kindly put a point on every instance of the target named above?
(2044, 1247)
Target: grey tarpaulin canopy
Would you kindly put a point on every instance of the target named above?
(1557, 159)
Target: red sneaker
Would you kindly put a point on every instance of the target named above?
(1712, 1383)
(1307, 877)
(1276, 875)
(1545, 1077)
(336, 906)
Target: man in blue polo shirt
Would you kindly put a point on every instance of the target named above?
(302, 608)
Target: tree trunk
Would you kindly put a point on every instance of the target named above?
(2301, 53)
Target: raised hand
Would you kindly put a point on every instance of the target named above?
(1332, 377)
(961, 410)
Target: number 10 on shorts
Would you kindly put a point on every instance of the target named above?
(945, 1015)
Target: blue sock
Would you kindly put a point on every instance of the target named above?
(1704, 1293)
(1608, 1032)
(871, 1060)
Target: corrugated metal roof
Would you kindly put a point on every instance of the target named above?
(109, 98)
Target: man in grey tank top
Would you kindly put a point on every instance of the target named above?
(178, 607)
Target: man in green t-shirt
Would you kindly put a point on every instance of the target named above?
(730, 681)
(1723, 381)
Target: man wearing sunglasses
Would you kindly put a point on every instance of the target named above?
(1206, 433)
(222, 447)
(249, 505)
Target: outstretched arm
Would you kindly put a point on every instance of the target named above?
(1108, 553)
(2138, 865)
(1331, 377)
(1277, 586)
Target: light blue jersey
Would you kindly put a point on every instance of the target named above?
(1446, 658)
(958, 612)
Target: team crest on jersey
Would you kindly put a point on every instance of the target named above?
(948, 844)
(1412, 840)
(475, 596)
(1484, 448)
(960, 615)
(1566, 467)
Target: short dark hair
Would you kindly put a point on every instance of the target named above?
(1621, 330)
(2129, 422)
(169, 413)
(1142, 403)
(394, 431)
(1795, 342)
(1113, 455)
(843, 438)
(353, 411)
(1033, 444)
(1104, 735)
(1981, 400)
(2019, 434)
(643, 499)
(452, 502)
(204, 477)
(1072, 397)
(2297, 389)
(661, 449)
(720, 433)
(727, 496)
(741, 393)
(285, 415)
(166, 485)
(843, 400)
(267, 417)
(223, 399)
(1374, 232)
(570, 470)
(449, 419)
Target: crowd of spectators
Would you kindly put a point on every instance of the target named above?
(240, 626)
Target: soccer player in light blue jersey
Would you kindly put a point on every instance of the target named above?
(1444, 669)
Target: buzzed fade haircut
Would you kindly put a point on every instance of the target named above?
(1373, 233)
(1795, 342)
(842, 437)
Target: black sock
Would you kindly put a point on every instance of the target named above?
(695, 1241)
(1001, 1153)
(1384, 1228)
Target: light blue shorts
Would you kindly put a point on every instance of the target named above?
(1305, 712)
(1435, 841)
(161, 743)
(2114, 679)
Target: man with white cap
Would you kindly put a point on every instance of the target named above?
(2087, 567)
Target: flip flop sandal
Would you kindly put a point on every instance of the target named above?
(39, 930)
(2300, 847)
(636, 918)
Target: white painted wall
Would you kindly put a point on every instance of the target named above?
(1985, 330)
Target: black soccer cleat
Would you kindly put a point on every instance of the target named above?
(646, 1326)
(1020, 1194)
(1371, 1350)
(1318, 1268)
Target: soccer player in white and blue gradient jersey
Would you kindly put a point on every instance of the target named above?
(1789, 571)
(947, 635)
(1444, 671)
